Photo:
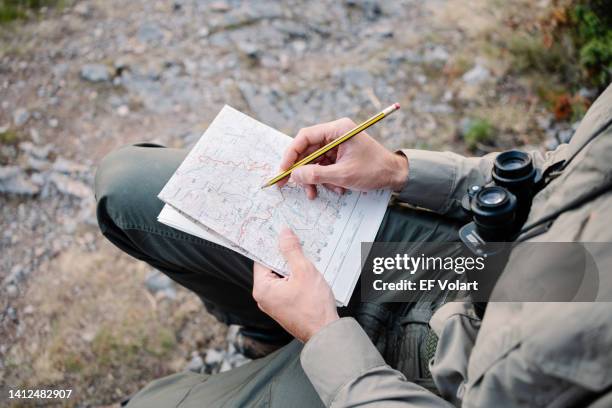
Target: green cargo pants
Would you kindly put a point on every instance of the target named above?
(127, 183)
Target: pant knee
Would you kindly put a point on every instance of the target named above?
(128, 181)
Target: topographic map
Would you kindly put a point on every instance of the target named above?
(216, 194)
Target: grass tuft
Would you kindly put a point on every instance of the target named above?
(9, 137)
(480, 131)
(11, 10)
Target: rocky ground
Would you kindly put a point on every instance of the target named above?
(84, 80)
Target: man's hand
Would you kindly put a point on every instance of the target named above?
(360, 163)
(303, 302)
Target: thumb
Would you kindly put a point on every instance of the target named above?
(318, 174)
(290, 248)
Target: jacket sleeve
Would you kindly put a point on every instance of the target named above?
(437, 181)
(347, 370)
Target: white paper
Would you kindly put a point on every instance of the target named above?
(216, 194)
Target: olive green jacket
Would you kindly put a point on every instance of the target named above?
(520, 354)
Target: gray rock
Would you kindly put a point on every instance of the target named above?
(16, 275)
(380, 31)
(83, 10)
(263, 101)
(544, 121)
(60, 70)
(11, 313)
(196, 363)
(12, 291)
(565, 135)
(95, 73)
(38, 165)
(299, 46)
(67, 186)
(35, 135)
(8, 172)
(66, 166)
(476, 75)
(249, 49)
(123, 110)
(436, 54)
(150, 32)
(220, 6)
(225, 366)
(435, 108)
(214, 357)
(14, 181)
(588, 93)
(356, 77)
(292, 29)
(20, 116)
(169, 293)
(157, 282)
(370, 8)
(237, 360)
(189, 139)
(38, 152)
(177, 5)
(551, 143)
(203, 32)
(40, 179)
(398, 57)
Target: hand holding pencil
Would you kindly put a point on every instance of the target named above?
(359, 163)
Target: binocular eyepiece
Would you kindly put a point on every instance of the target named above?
(494, 211)
(499, 209)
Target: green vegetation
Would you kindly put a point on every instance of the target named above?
(479, 131)
(563, 51)
(20, 9)
(531, 55)
(573, 45)
(9, 137)
(593, 35)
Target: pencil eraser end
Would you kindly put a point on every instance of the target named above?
(396, 105)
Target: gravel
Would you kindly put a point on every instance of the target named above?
(95, 73)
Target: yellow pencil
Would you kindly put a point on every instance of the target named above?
(336, 142)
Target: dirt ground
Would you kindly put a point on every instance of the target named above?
(78, 82)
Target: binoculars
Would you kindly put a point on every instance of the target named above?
(500, 208)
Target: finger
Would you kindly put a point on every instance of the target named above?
(335, 189)
(311, 191)
(307, 138)
(262, 277)
(318, 174)
(282, 182)
(291, 250)
(314, 137)
(322, 160)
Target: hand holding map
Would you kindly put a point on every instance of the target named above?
(215, 194)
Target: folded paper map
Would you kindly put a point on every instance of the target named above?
(215, 194)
